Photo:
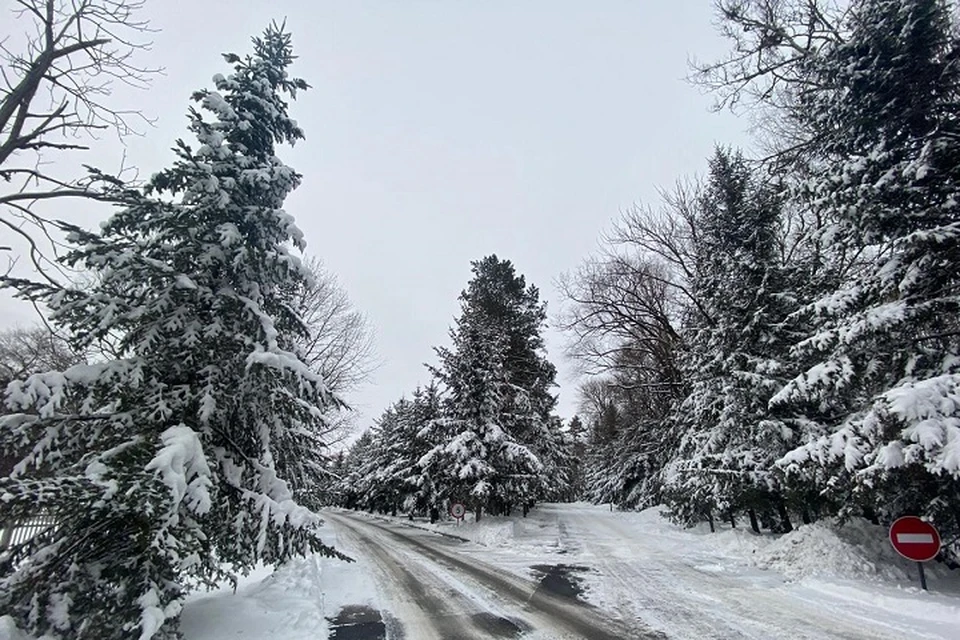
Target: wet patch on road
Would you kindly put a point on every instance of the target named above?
(357, 622)
(497, 626)
(559, 579)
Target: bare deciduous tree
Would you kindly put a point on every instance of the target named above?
(624, 306)
(340, 344)
(772, 41)
(56, 90)
(24, 351)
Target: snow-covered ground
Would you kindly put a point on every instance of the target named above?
(844, 580)
(637, 568)
(295, 602)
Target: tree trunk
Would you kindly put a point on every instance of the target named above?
(785, 523)
(479, 511)
(713, 529)
(733, 521)
(805, 516)
(753, 521)
(7, 534)
(434, 515)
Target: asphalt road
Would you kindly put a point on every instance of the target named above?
(432, 591)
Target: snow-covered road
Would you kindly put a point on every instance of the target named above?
(650, 577)
(579, 571)
(435, 587)
(642, 575)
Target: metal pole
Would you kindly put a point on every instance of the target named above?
(923, 578)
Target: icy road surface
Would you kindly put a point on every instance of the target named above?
(438, 588)
(638, 582)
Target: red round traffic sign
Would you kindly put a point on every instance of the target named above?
(457, 510)
(915, 539)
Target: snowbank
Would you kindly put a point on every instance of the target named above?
(9, 630)
(853, 550)
(824, 549)
(856, 550)
(294, 602)
(491, 531)
(286, 603)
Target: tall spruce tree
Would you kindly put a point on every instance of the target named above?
(182, 462)
(729, 442)
(498, 298)
(352, 489)
(382, 470)
(881, 398)
(479, 461)
(576, 443)
(422, 488)
(605, 466)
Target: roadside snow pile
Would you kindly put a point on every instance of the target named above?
(296, 601)
(9, 630)
(491, 531)
(283, 604)
(855, 550)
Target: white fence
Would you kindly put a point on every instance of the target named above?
(20, 532)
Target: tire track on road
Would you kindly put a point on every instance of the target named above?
(569, 619)
(726, 609)
(437, 605)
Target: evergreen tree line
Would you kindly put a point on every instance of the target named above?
(780, 341)
(484, 432)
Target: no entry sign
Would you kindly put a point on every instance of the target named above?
(915, 539)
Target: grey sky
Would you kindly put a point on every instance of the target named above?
(439, 132)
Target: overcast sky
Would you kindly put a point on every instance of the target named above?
(440, 132)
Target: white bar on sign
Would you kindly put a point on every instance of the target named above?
(914, 538)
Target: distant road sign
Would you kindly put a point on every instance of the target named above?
(457, 510)
(915, 539)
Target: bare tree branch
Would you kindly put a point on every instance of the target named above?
(57, 93)
(24, 351)
(772, 44)
(340, 343)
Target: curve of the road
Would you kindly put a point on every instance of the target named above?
(437, 593)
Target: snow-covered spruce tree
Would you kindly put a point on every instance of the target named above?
(575, 437)
(422, 493)
(882, 400)
(376, 471)
(498, 298)
(478, 460)
(729, 443)
(352, 487)
(603, 477)
(181, 463)
(389, 477)
(629, 439)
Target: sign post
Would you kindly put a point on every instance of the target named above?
(457, 510)
(915, 540)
